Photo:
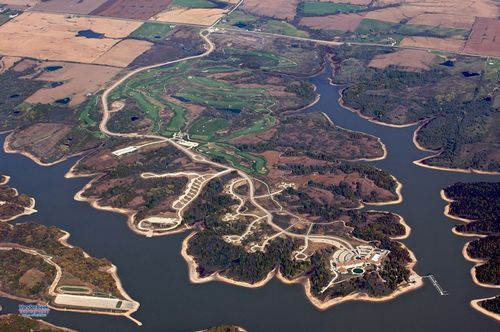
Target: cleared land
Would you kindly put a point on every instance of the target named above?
(457, 12)
(444, 44)
(42, 35)
(282, 9)
(77, 80)
(123, 53)
(69, 6)
(485, 37)
(137, 9)
(199, 16)
(341, 22)
(406, 59)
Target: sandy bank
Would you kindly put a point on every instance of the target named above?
(322, 305)
(475, 304)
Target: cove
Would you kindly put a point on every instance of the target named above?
(154, 273)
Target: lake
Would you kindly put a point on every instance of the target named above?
(154, 273)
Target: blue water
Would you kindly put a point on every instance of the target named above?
(154, 273)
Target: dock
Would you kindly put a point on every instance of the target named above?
(436, 285)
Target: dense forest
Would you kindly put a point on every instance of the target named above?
(479, 202)
(461, 110)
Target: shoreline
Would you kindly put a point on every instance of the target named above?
(65, 329)
(417, 281)
(28, 210)
(399, 188)
(382, 145)
(477, 262)
(475, 304)
(420, 162)
(8, 149)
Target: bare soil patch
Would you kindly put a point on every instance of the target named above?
(485, 37)
(69, 6)
(78, 81)
(341, 22)
(446, 13)
(444, 44)
(282, 9)
(200, 16)
(32, 277)
(8, 62)
(137, 9)
(123, 53)
(412, 60)
(41, 139)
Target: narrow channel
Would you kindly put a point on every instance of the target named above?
(154, 273)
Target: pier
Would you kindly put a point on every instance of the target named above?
(436, 285)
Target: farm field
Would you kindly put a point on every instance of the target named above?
(68, 6)
(40, 36)
(73, 80)
(197, 16)
(137, 9)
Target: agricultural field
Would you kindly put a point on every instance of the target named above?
(40, 36)
(328, 8)
(137, 9)
(68, 6)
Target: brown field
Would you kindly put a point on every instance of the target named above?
(79, 80)
(485, 37)
(6, 62)
(137, 9)
(341, 22)
(43, 138)
(452, 13)
(123, 53)
(32, 277)
(49, 36)
(444, 20)
(443, 44)
(412, 60)
(199, 16)
(282, 9)
(69, 6)
(20, 3)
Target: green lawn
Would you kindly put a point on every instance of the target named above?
(283, 28)
(194, 3)
(151, 31)
(205, 127)
(327, 8)
(178, 122)
(370, 26)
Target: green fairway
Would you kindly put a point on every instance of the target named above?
(206, 127)
(151, 31)
(85, 117)
(327, 8)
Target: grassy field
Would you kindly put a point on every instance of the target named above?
(371, 27)
(194, 3)
(151, 31)
(249, 22)
(327, 8)
(205, 128)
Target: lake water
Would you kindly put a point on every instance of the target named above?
(154, 273)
